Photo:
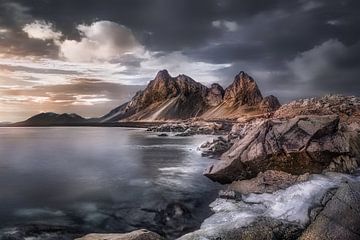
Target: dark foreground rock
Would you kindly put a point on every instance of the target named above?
(141, 234)
(261, 228)
(216, 147)
(304, 144)
(340, 219)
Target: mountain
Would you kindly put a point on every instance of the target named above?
(181, 97)
(51, 119)
(175, 98)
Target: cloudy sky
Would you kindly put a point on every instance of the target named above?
(88, 56)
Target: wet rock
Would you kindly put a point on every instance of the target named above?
(186, 133)
(190, 128)
(261, 228)
(163, 135)
(269, 181)
(216, 147)
(340, 219)
(174, 219)
(304, 144)
(141, 234)
(229, 194)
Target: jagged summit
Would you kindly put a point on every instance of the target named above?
(243, 90)
(181, 97)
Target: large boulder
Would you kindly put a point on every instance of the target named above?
(340, 219)
(267, 182)
(141, 234)
(304, 144)
(263, 228)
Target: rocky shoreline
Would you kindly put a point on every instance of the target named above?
(291, 175)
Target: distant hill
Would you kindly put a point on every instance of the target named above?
(51, 119)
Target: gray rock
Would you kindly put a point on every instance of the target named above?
(340, 219)
(216, 147)
(141, 234)
(262, 228)
(304, 144)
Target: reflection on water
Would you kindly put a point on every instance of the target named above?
(87, 179)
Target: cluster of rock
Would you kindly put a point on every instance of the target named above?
(332, 216)
(346, 107)
(304, 144)
(267, 155)
(190, 128)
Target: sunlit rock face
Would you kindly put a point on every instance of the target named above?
(181, 97)
(243, 90)
(304, 144)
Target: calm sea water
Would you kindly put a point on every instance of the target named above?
(67, 181)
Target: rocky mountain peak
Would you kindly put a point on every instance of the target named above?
(243, 91)
(270, 103)
(162, 75)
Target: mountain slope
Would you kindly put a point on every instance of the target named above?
(178, 98)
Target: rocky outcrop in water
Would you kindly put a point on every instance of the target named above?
(189, 128)
(216, 147)
(304, 144)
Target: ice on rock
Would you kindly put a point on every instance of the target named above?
(291, 204)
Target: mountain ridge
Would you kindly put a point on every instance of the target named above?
(168, 98)
(181, 97)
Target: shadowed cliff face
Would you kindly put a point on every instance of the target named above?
(181, 97)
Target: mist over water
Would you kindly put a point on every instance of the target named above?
(92, 179)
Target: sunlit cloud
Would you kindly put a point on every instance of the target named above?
(42, 30)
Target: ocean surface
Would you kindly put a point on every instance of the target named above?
(62, 182)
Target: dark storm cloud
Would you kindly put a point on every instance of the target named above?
(273, 40)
